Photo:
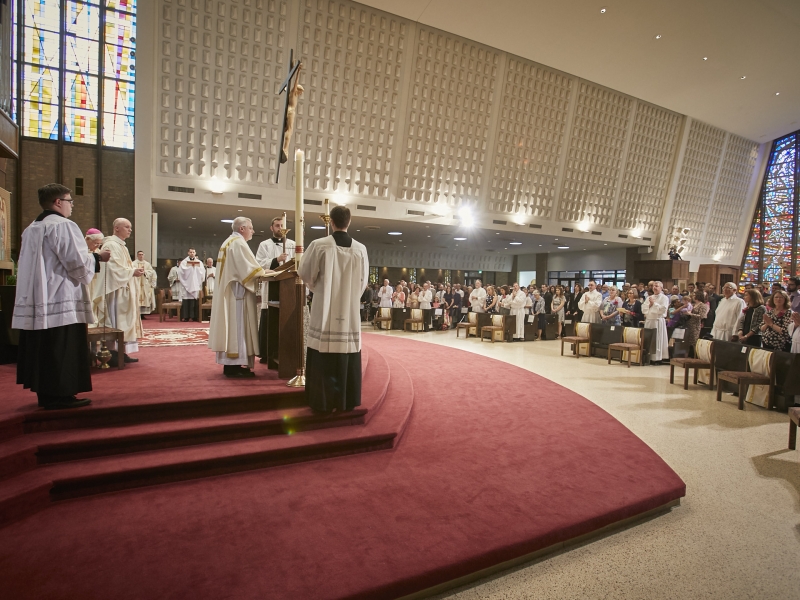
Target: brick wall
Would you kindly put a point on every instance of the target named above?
(117, 192)
(81, 162)
(39, 165)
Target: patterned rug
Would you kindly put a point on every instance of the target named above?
(174, 337)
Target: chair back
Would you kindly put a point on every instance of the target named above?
(761, 362)
(472, 317)
(584, 330)
(704, 350)
(498, 321)
(385, 312)
(633, 335)
(416, 313)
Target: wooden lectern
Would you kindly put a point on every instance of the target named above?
(284, 320)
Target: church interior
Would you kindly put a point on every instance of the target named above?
(574, 363)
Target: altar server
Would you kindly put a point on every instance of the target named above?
(655, 309)
(94, 240)
(52, 304)
(477, 297)
(233, 331)
(590, 304)
(336, 269)
(191, 275)
(145, 285)
(174, 282)
(115, 301)
(211, 275)
(517, 307)
(729, 309)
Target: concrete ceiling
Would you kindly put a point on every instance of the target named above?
(178, 218)
(755, 39)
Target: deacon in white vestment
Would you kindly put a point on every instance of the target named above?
(518, 300)
(729, 309)
(270, 255)
(385, 295)
(590, 304)
(336, 269)
(174, 283)
(655, 309)
(191, 274)
(115, 302)
(145, 285)
(233, 331)
(211, 276)
(52, 306)
(477, 298)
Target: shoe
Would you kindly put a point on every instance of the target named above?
(129, 360)
(72, 402)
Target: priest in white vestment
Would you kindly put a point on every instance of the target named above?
(336, 269)
(590, 304)
(145, 285)
(115, 302)
(233, 331)
(174, 282)
(477, 298)
(729, 309)
(191, 275)
(211, 276)
(425, 298)
(52, 305)
(94, 241)
(655, 308)
(385, 295)
(516, 304)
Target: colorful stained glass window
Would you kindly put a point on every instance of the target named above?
(89, 82)
(772, 253)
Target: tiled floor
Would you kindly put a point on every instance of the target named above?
(735, 535)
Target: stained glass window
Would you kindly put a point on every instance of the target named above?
(78, 64)
(772, 251)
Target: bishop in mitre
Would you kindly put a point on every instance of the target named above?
(233, 332)
(114, 297)
(335, 269)
(145, 285)
(191, 275)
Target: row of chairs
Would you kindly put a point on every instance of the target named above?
(165, 304)
(632, 344)
(383, 319)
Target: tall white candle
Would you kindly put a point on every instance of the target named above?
(327, 207)
(299, 159)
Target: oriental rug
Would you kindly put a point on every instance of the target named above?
(174, 337)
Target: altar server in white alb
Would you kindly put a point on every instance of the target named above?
(52, 305)
(729, 309)
(233, 331)
(145, 285)
(516, 304)
(590, 304)
(174, 282)
(211, 276)
(191, 275)
(336, 269)
(655, 308)
(477, 298)
(115, 300)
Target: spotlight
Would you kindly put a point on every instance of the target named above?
(466, 216)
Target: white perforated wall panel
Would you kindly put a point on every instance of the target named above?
(530, 137)
(595, 155)
(730, 198)
(220, 64)
(447, 132)
(347, 123)
(696, 182)
(647, 171)
(439, 259)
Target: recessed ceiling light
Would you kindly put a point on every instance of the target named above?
(395, 233)
(262, 231)
(497, 233)
(555, 239)
(743, 77)
(358, 230)
(658, 37)
(540, 245)
(605, 244)
(318, 227)
(240, 210)
(429, 236)
(777, 93)
(705, 58)
(514, 243)
(194, 218)
(603, 10)
(563, 247)
(226, 220)
(460, 239)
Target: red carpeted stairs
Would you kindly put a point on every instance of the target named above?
(132, 440)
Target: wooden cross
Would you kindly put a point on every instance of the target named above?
(293, 66)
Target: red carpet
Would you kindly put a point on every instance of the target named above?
(477, 479)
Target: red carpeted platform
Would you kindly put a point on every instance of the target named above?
(477, 479)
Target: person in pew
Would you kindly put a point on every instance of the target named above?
(631, 311)
(609, 310)
(335, 268)
(477, 297)
(518, 299)
(574, 313)
(793, 289)
(399, 297)
(233, 330)
(425, 298)
(695, 318)
(447, 306)
(655, 310)
(794, 332)
(455, 310)
(558, 307)
(366, 299)
(748, 329)
(775, 323)
(385, 294)
(727, 311)
(590, 303)
(538, 312)
(490, 301)
(52, 305)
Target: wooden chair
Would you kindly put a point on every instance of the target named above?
(583, 335)
(416, 321)
(704, 359)
(471, 325)
(166, 304)
(498, 326)
(384, 315)
(205, 304)
(794, 421)
(632, 341)
(757, 383)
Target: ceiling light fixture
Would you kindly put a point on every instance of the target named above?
(658, 37)
(603, 10)
(563, 247)
(460, 239)
(395, 233)
(743, 77)
(240, 210)
(226, 220)
(705, 58)
(514, 243)
(777, 93)
(318, 227)
(466, 216)
(194, 218)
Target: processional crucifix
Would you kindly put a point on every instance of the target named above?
(289, 109)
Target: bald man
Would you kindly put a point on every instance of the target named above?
(115, 301)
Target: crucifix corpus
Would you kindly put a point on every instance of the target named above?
(293, 93)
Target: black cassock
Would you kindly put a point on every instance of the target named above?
(333, 380)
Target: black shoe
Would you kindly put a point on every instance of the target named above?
(129, 360)
(71, 402)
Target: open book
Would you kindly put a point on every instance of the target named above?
(287, 266)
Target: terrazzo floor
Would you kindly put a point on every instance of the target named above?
(735, 535)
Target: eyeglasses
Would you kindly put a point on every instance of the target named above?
(71, 202)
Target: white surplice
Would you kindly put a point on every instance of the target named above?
(335, 325)
(727, 317)
(655, 318)
(145, 287)
(385, 295)
(425, 299)
(191, 278)
(590, 304)
(174, 283)
(268, 250)
(211, 277)
(517, 306)
(478, 300)
(53, 292)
